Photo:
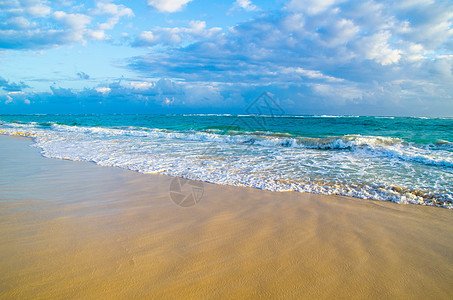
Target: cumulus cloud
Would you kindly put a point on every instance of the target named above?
(33, 24)
(376, 47)
(83, 75)
(30, 8)
(73, 26)
(14, 98)
(103, 90)
(168, 5)
(37, 9)
(311, 74)
(16, 23)
(355, 52)
(246, 5)
(12, 86)
(114, 13)
(124, 95)
(311, 7)
(176, 35)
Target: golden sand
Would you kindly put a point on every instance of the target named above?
(77, 230)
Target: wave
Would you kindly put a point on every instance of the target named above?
(206, 115)
(336, 116)
(438, 154)
(371, 167)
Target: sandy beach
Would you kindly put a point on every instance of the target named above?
(78, 230)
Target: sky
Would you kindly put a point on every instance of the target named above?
(334, 57)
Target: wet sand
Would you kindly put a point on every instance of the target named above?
(78, 230)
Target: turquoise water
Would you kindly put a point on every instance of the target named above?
(411, 129)
(401, 159)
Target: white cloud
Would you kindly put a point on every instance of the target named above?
(74, 24)
(376, 47)
(37, 9)
(97, 35)
(246, 5)
(443, 66)
(117, 10)
(176, 35)
(16, 97)
(8, 3)
(416, 52)
(312, 74)
(339, 94)
(343, 31)
(168, 5)
(147, 38)
(293, 23)
(18, 23)
(311, 7)
(411, 3)
(142, 85)
(73, 21)
(201, 95)
(9, 99)
(103, 90)
(31, 24)
(114, 13)
(29, 8)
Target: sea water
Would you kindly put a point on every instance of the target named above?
(400, 159)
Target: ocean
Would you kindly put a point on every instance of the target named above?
(399, 159)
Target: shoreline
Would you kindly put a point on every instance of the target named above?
(77, 229)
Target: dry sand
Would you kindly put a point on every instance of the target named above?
(78, 230)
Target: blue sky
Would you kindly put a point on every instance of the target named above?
(178, 56)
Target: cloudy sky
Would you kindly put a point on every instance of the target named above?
(204, 56)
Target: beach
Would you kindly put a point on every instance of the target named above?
(73, 229)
